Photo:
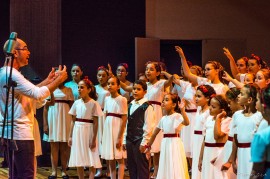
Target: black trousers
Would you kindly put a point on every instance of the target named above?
(23, 159)
(138, 165)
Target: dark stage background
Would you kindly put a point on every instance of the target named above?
(97, 32)
(91, 33)
(4, 27)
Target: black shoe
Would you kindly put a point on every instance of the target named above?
(4, 164)
(52, 177)
(65, 177)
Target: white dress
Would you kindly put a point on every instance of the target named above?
(81, 154)
(197, 140)
(59, 120)
(187, 131)
(250, 124)
(172, 162)
(220, 88)
(156, 93)
(210, 153)
(226, 152)
(74, 87)
(102, 94)
(112, 126)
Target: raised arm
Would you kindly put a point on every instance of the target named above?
(60, 77)
(169, 81)
(233, 65)
(49, 78)
(237, 83)
(217, 128)
(192, 78)
(126, 87)
(183, 112)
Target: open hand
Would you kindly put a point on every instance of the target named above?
(62, 73)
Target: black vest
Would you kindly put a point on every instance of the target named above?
(136, 122)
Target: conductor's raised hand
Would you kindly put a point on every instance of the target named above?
(51, 77)
(62, 73)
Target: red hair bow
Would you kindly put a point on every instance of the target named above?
(253, 56)
(204, 89)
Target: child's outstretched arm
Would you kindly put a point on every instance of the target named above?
(176, 79)
(183, 112)
(192, 78)
(233, 65)
(169, 81)
(237, 83)
(126, 87)
(152, 139)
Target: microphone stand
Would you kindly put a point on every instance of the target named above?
(11, 144)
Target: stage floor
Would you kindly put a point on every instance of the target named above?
(44, 172)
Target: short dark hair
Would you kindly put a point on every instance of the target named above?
(142, 83)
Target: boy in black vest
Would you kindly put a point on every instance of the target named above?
(140, 125)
